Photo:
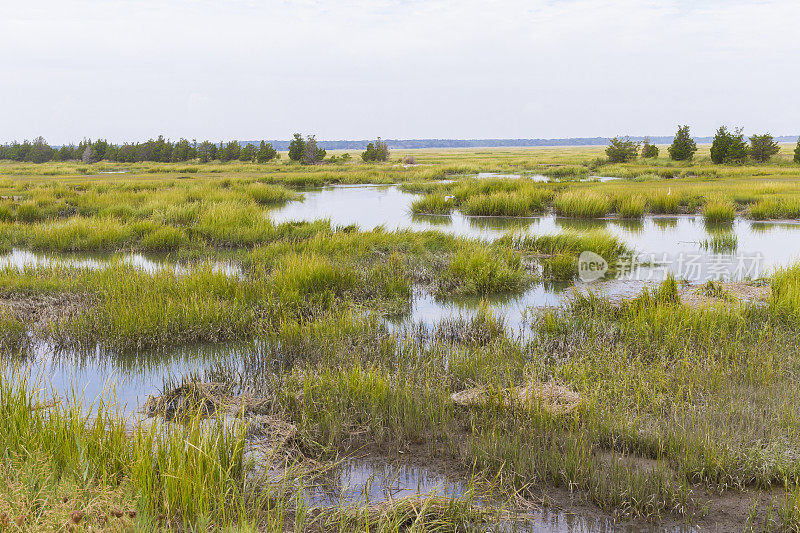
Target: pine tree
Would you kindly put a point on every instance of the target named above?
(763, 147)
(683, 146)
(649, 150)
(622, 150)
(797, 152)
(266, 152)
(720, 145)
(297, 147)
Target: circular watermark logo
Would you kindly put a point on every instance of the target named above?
(591, 266)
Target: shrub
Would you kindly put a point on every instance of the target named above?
(622, 150)
(797, 152)
(379, 151)
(728, 147)
(763, 147)
(649, 151)
(683, 146)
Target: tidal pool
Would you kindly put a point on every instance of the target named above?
(128, 378)
(361, 481)
(678, 244)
(681, 245)
(20, 259)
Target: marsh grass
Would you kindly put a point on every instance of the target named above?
(478, 270)
(573, 242)
(720, 243)
(432, 204)
(677, 401)
(717, 211)
(582, 204)
(519, 204)
(632, 207)
(52, 450)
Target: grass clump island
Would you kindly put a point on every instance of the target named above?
(652, 407)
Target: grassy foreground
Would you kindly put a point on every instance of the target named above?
(684, 410)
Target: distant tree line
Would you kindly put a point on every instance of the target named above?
(158, 150)
(303, 150)
(726, 147)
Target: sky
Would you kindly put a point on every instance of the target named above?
(354, 69)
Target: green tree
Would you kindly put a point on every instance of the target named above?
(797, 151)
(248, 153)
(622, 150)
(369, 153)
(762, 147)
(266, 152)
(378, 151)
(181, 151)
(721, 145)
(206, 151)
(683, 146)
(297, 147)
(40, 151)
(649, 150)
(728, 147)
(312, 154)
(232, 151)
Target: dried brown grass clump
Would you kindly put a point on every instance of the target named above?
(41, 309)
(552, 397)
(425, 513)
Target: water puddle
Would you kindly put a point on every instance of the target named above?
(94, 375)
(364, 481)
(357, 482)
(21, 259)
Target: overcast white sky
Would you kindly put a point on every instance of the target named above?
(354, 69)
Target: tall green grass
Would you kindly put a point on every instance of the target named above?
(188, 475)
(434, 204)
(582, 204)
(718, 211)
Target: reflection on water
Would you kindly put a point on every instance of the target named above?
(676, 244)
(357, 482)
(19, 258)
(670, 240)
(91, 375)
(365, 481)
